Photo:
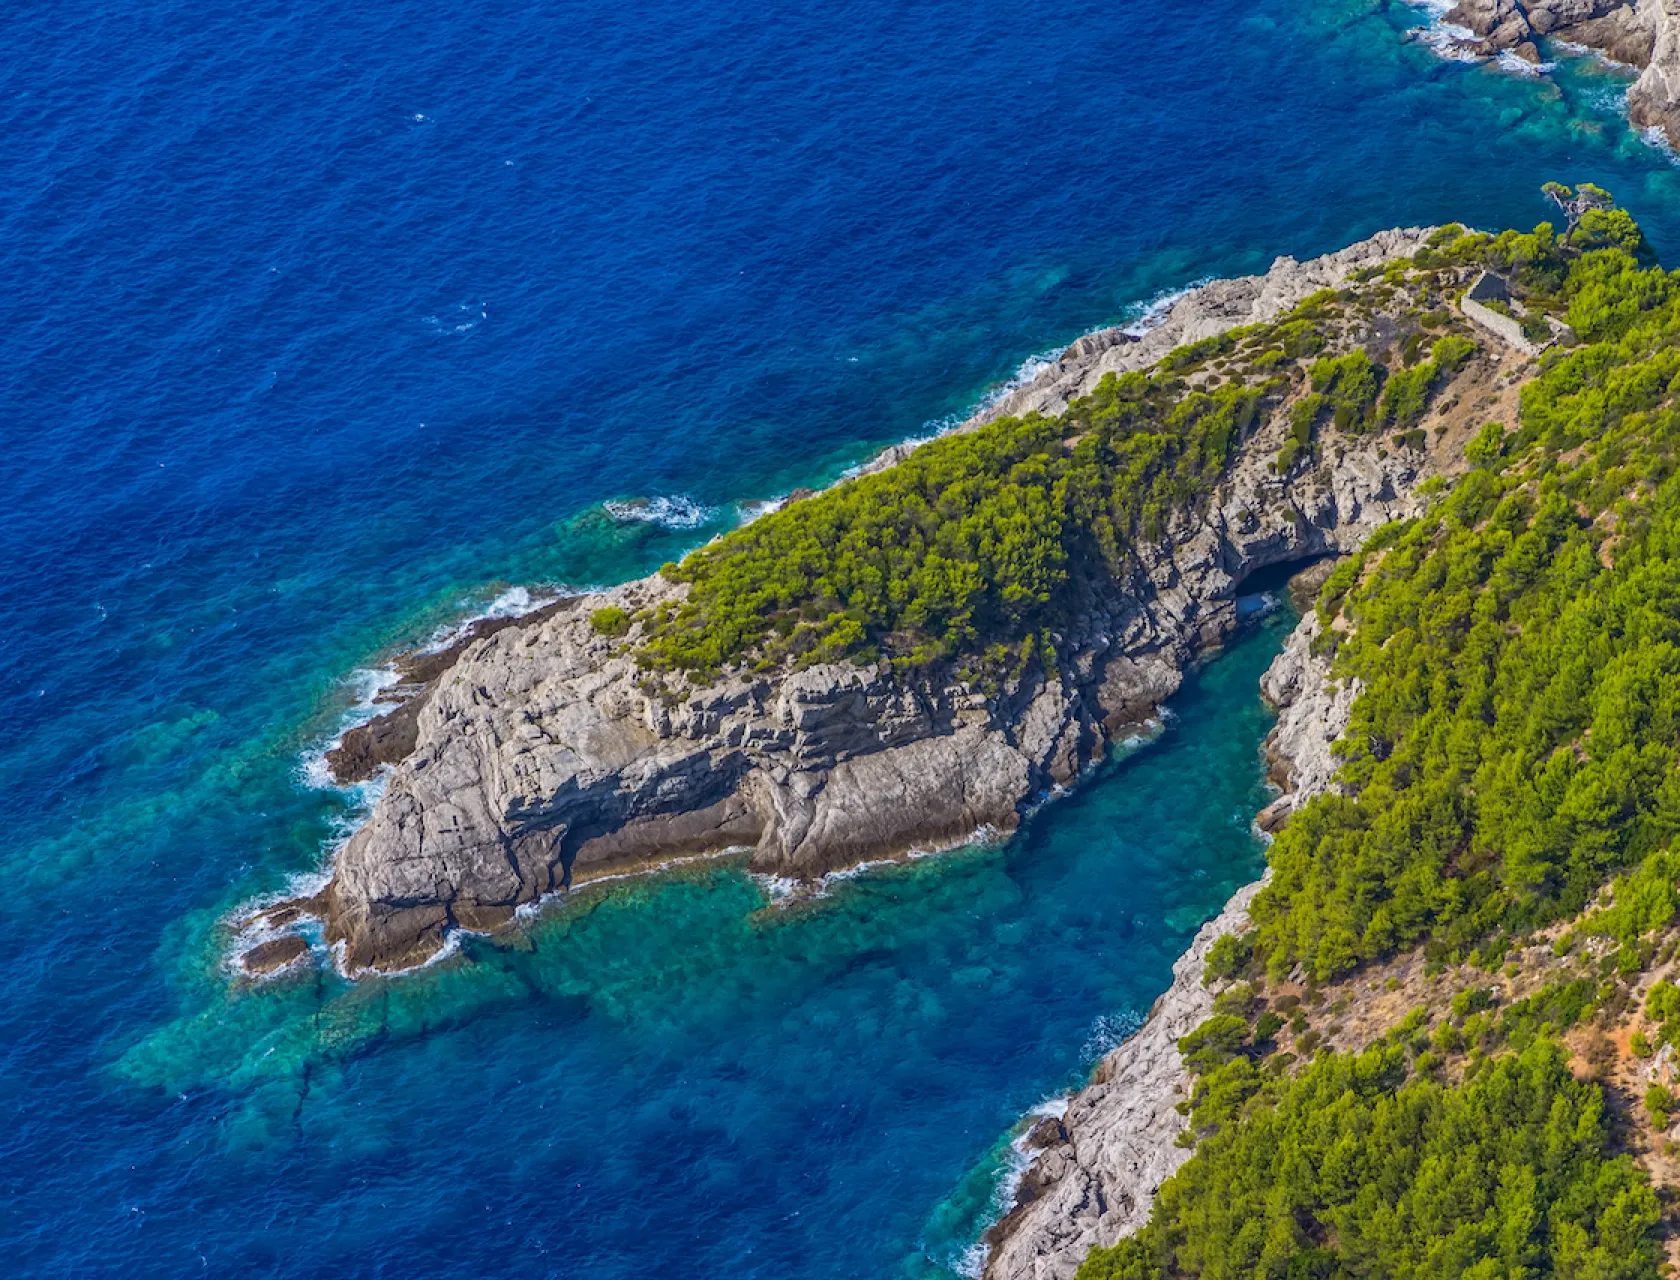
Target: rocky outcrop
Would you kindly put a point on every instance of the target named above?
(1507, 24)
(389, 738)
(274, 955)
(1500, 24)
(1313, 712)
(1643, 34)
(1096, 1171)
(1210, 309)
(538, 756)
(1626, 34)
(1654, 99)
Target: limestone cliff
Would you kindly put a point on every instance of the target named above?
(537, 756)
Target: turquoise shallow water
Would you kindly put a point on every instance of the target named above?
(326, 326)
(828, 1081)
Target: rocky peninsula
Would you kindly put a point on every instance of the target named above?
(537, 755)
(544, 751)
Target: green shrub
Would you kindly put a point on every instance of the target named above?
(1213, 1043)
(1471, 1000)
(1486, 446)
(610, 620)
(1662, 1002)
(1227, 958)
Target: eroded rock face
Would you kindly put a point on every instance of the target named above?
(1313, 713)
(1095, 1175)
(1625, 34)
(536, 759)
(1501, 23)
(1550, 16)
(1654, 99)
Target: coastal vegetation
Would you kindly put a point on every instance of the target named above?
(1501, 845)
(1366, 1165)
(982, 547)
(1519, 654)
(972, 546)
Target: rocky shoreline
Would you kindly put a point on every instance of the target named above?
(1644, 34)
(533, 755)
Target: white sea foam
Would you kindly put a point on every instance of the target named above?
(1445, 39)
(1152, 313)
(514, 602)
(466, 317)
(335, 956)
(1658, 139)
(1455, 43)
(787, 891)
(1508, 61)
(369, 685)
(1137, 320)
(1109, 1031)
(1024, 376)
(1597, 55)
(366, 685)
(1025, 373)
(1016, 1161)
(250, 929)
(531, 910)
(972, 1264)
(748, 510)
(1448, 40)
(775, 888)
(676, 511)
(1256, 605)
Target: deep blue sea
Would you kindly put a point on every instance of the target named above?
(327, 326)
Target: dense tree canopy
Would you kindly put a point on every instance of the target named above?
(982, 545)
(1519, 653)
(1354, 1169)
(1514, 744)
(968, 544)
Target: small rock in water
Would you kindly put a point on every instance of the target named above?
(274, 955)
(1048, 1132)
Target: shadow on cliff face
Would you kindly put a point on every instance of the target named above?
(1276, 577)
(1300, 578)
